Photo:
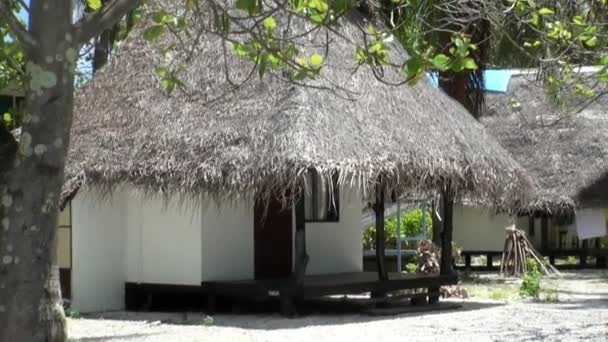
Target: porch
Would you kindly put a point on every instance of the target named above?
(317, 286)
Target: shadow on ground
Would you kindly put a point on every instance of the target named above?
(266, 317)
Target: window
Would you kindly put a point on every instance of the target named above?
(321, 199)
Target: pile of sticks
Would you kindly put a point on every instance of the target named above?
(516, 253)
(428, 262)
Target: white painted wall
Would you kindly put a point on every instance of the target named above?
(335, 247)
(480, 229)
(130, 239)
(227, 242)
(133, 238)
(98, 252)
(170, 243)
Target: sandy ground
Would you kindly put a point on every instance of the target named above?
(581, 314)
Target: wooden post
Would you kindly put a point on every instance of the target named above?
(583, 254)
(380, 236)
(446, 237)
(544, 233)
(301, 257)
(489, 262)
(436, 224)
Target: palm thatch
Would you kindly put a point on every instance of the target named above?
(563, 148)
(261, 136)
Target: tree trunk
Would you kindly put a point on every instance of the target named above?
(103, 45)
(30, 298)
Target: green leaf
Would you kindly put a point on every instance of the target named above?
(274, 61)
(340, 6)
(317, 18)
(241, 49)
(316, 60)
(95, 5)
(469, 63)
(161, 17)
(414, 66)
(578, 20)
(535, 20)
(251, 6)
(269, 24)
(545, 11)
(591, 42)
(300, 75)
(361, 55)
(262, 64)
(154, 32)
(604, 60)
(7, 118)
(441, 62)
(534, 44)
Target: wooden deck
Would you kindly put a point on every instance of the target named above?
(324, 285)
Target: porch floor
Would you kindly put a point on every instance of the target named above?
(323, 285)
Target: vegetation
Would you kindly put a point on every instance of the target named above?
(411, 226)
(530, 287)
(410, 267)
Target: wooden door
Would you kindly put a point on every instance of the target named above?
(272, 240)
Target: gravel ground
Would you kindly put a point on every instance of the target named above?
(580, 314)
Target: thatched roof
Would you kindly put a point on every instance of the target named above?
(566, 153)
(263, 135)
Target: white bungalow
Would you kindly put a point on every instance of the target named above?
(163, 190)
(567, 157)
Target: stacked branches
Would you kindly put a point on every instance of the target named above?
(517, 251)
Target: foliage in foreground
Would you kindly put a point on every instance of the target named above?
(530, 287)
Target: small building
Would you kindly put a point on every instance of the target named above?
(241, 186)
(565, 151)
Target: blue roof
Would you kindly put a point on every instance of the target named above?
(496, 80)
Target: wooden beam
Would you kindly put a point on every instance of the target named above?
(447, 198)
(544, 233)
(380, 236)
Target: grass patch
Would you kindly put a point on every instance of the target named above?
(498, 292)
(550, 295)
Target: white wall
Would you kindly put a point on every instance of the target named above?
(335, 247)
(227, 242)
(170, 243)
(133, 238)
(480, 229)
(98, 252)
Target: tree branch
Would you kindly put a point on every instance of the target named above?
(25, 39)
(94, 23)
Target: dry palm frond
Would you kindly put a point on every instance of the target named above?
(261, 137)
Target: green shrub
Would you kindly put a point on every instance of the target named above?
(571, 260)
(411, 225)
(71, 313)
(410, 267)
(530, 287)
